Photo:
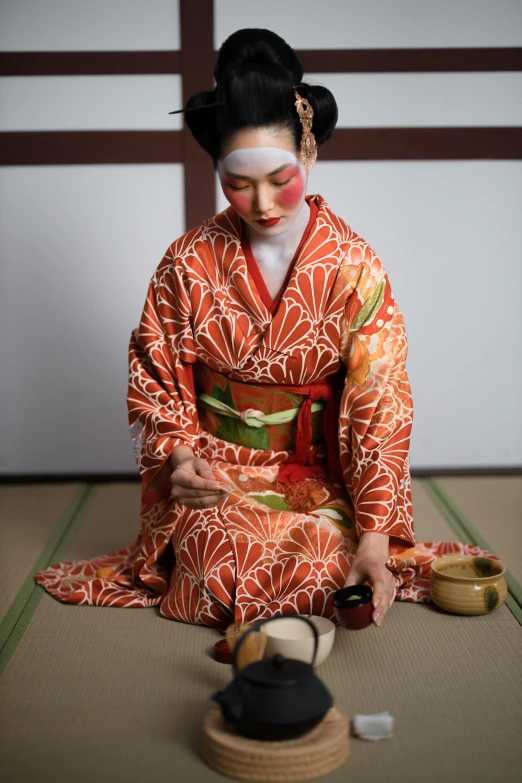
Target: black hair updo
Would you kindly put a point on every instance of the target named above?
(256, 76)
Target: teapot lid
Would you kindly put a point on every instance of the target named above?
(277, 672)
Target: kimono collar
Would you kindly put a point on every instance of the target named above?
(293, 327)
(230, 222)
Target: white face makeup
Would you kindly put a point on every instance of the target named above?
(266, 186)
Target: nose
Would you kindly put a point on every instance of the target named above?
(264, 200)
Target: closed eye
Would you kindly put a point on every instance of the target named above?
(277, 185)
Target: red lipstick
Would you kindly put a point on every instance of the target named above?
(269, 222)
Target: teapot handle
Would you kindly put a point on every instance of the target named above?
(258, 625)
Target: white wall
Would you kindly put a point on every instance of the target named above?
(78, 244)
(376, 24)
(450, 236)
(137, 102)
(416, 100)
(92, 25)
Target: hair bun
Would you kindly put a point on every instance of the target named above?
(256, 46)
(256, 76)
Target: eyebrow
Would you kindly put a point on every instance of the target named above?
(242, 176)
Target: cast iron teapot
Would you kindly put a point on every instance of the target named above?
(277, 698)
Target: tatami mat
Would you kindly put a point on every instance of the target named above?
(429, 524)
(112, 521)
(119, 694)
(28, 515)
(494, 506)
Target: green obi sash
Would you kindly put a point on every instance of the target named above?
(259, 417)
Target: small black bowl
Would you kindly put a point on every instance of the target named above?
(354, 613)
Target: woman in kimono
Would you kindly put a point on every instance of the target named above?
(269, 404)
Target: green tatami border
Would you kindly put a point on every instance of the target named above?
(26, 602)
(468, 534)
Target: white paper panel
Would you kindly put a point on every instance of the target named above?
(89, 25)
(412, 100)
(450, 236)
(38, 103)
(376, 24)
(79, 245)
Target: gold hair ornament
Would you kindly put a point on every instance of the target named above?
(308, 142)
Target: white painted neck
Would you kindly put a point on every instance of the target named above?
(276, 252)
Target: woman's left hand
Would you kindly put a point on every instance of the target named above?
(369, 564)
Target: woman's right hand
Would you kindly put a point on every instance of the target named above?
(193, 483)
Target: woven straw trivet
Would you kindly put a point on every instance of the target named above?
(314, 754)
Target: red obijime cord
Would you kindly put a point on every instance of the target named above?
(303, 464)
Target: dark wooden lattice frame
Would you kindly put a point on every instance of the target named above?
(195, 61)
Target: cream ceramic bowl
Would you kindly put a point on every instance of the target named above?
(464, 584)
(294, 639)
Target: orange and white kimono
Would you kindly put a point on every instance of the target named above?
(301, 404)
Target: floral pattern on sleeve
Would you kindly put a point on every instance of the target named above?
(161, 400)
(376, 406)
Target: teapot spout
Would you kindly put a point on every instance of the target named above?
(231, 705)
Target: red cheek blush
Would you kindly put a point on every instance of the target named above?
(240, 201)
(292, 194)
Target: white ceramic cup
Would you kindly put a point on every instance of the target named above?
(293, 638)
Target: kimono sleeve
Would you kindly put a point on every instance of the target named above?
(376, 406)
(161, 399)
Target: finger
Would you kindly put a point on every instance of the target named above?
(181, 489)
(353, 577)
(386, 597)
(203, 469)
(193, 481)
(207, 474)
(206, 471)
(380, 615)
(380, 600)
(178, 491)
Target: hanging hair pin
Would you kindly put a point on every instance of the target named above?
(308, 142)
(196, 108)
